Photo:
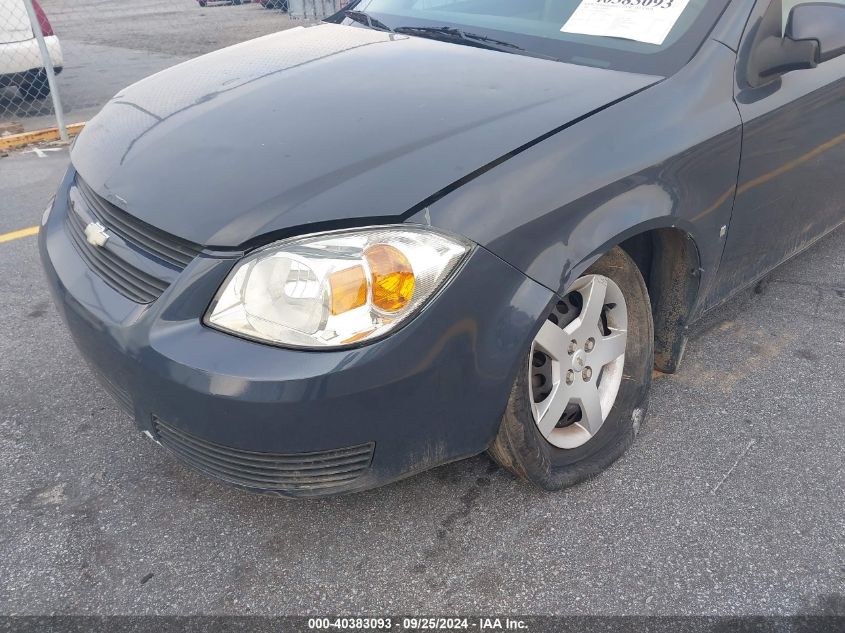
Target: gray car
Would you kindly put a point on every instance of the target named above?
(336, 256)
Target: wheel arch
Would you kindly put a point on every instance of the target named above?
(669, 260)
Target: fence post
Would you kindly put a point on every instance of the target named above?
(48, 68)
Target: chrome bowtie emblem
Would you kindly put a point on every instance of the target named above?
(96, 234)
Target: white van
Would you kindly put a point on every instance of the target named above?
(20, 57)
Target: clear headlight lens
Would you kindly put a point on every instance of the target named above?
(335, 289)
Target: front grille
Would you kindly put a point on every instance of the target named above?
(298, 472)
(128, 280)
(165, 252)
(154, 242)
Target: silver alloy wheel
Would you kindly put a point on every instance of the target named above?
(576, 362)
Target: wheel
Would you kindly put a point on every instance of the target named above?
(203, 3)
(38, 87)
(579, 400)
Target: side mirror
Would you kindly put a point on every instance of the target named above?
(815, 33)
(822, 23)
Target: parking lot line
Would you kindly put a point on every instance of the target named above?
(16, 235)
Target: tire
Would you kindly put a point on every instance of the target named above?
(557, 460)
(203, 3)
(38, 87)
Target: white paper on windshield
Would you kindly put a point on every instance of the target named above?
(648, 21)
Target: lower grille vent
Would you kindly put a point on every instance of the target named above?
(267, 471)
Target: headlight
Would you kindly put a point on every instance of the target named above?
(335, 289)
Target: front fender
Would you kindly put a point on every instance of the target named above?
(667, 157)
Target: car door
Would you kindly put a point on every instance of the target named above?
(791, 185)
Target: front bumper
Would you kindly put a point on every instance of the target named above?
(430, 393)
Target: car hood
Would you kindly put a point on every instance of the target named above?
(322, 126)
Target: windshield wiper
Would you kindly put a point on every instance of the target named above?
(367, 20)
(450, 33)
(457, 36)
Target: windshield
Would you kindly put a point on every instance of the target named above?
(654, 37)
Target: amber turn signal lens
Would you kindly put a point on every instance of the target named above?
(392, 277)
(360, 336)
(348, 289)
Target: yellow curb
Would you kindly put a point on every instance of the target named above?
(16, 235)
(37, 136)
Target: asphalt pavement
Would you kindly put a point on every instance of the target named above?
(730, 502)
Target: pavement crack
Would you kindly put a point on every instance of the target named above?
(732, 468)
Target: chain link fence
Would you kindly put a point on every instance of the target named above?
(97, 47)
(24, 31)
